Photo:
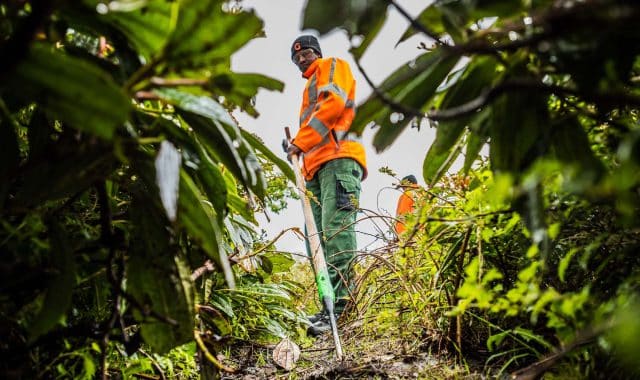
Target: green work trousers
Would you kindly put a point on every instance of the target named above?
(336, 191)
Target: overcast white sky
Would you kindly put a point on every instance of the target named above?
(271, 56)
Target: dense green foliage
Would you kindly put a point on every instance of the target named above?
(535, 253)
(122, 172)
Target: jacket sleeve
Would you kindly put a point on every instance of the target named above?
(334, 83)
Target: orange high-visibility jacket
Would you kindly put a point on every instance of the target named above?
(406, 205)
(328, 108)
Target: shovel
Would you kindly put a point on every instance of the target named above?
(323, 282)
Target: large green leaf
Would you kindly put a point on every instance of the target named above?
(414, 94)
(431, 18)
(517, 138)
(71, 90)
(200, 221)
(146, 24)
(570, 144)
(374, 107)
(258, 145)
(60, 284)
(158, 280)
(475, 142)
(436, 164)
(241, 89)
(324, 16)
(213, 184)
(199, 163)
(358, 18)
(478, 76)
(205, 34)
(369, 26)
(220, 135)
(85, 23)
(441, 156)
(452, 17)
(236, 203)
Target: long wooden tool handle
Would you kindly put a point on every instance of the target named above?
(323, 281)
(317, 256)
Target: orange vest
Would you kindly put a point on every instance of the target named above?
(405, 206)
(328, 108)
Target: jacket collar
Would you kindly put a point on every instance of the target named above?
(311, 69)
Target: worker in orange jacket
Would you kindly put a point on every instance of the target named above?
(334, 162)
(406, 202)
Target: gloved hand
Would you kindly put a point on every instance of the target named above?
(292, 150)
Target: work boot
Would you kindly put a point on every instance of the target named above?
(317, 316)
(319, 327)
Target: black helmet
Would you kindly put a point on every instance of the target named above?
(304, 42)
(411, 179)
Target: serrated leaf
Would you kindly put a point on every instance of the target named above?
(71, 90)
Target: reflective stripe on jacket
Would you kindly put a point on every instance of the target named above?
(328, 108)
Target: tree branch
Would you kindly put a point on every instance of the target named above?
(417, 25)
(385, 99)
(619, 98)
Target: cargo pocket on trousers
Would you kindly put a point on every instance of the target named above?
(347, 192)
